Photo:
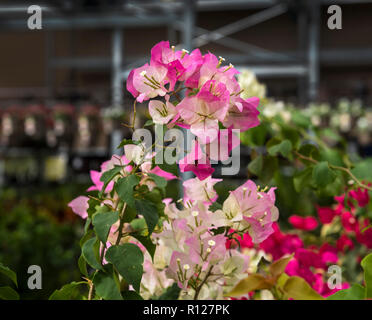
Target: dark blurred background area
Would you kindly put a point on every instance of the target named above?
(63, 97)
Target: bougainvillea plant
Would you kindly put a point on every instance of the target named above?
(138, 244)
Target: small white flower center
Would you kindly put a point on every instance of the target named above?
(211, 243)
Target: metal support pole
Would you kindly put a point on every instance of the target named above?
(313, 50)
(302, 24)
(116, 83)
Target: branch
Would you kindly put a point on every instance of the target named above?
(346, 170)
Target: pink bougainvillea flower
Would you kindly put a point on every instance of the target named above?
(348, 221)
(130, 86)
(326, 214)
(220, 148)
(364, 233)
(80, 206)
(180, 64)
(303, 223)
(181, 263)
(202, 116)
(197, 162)
(361, 196)
(278, 244)
(161, 173)
(162, 112)
(328, 254)
(243, 114)
(149, 82)
(200, 190)
(249, 208)
(344, 243)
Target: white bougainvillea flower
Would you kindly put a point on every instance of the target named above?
(201, 190)
(162, 112)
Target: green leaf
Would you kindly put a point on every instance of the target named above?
(302, 179)
(255, 136)
(139, 225)
(285, 147)
(333, 157)
(90, 251)
(355, 292)
(362, 170)
(82, 264)
(8, 293)
(67, 292)
(309, 150)
(125, 142)
(215, 206)
(255, 166)
(107, 176)
(251, 283)
(298, 289)
(322, 174)
(299, 119)
(9, 273)
(148, 123)
(106, 286)
(367, 267)
(292, 135)
(147, 243)
(102, 222)
(149, 212)
(160, 181)
(270, 166)
(131, 295)
(170, 293)
(278, 267)
(93, 203)
(127, 259)
(124, 188)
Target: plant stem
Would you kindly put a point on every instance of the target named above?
(197, 290)
(120, 234)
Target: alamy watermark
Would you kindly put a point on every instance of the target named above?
(34, 21)
(335, 19)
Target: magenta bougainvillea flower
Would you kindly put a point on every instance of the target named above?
(303, 223)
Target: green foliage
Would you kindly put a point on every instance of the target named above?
(8, 273)
(36, 227)
(355, 292)
(90, 251)
(322, 174)
(284, 147)
(8, 293)
(67, 292)
(170, 293)
(107, 176)
(105, 286)
(127, 259)
(124, 188)
(149, 212)
(367, 267)
(102, 222)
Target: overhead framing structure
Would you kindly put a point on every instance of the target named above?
(180, 16)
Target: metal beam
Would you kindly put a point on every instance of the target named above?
(242, 24)
(93, 22)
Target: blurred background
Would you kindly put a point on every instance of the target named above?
(63, 97)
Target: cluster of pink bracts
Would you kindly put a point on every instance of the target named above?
(211, 98)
